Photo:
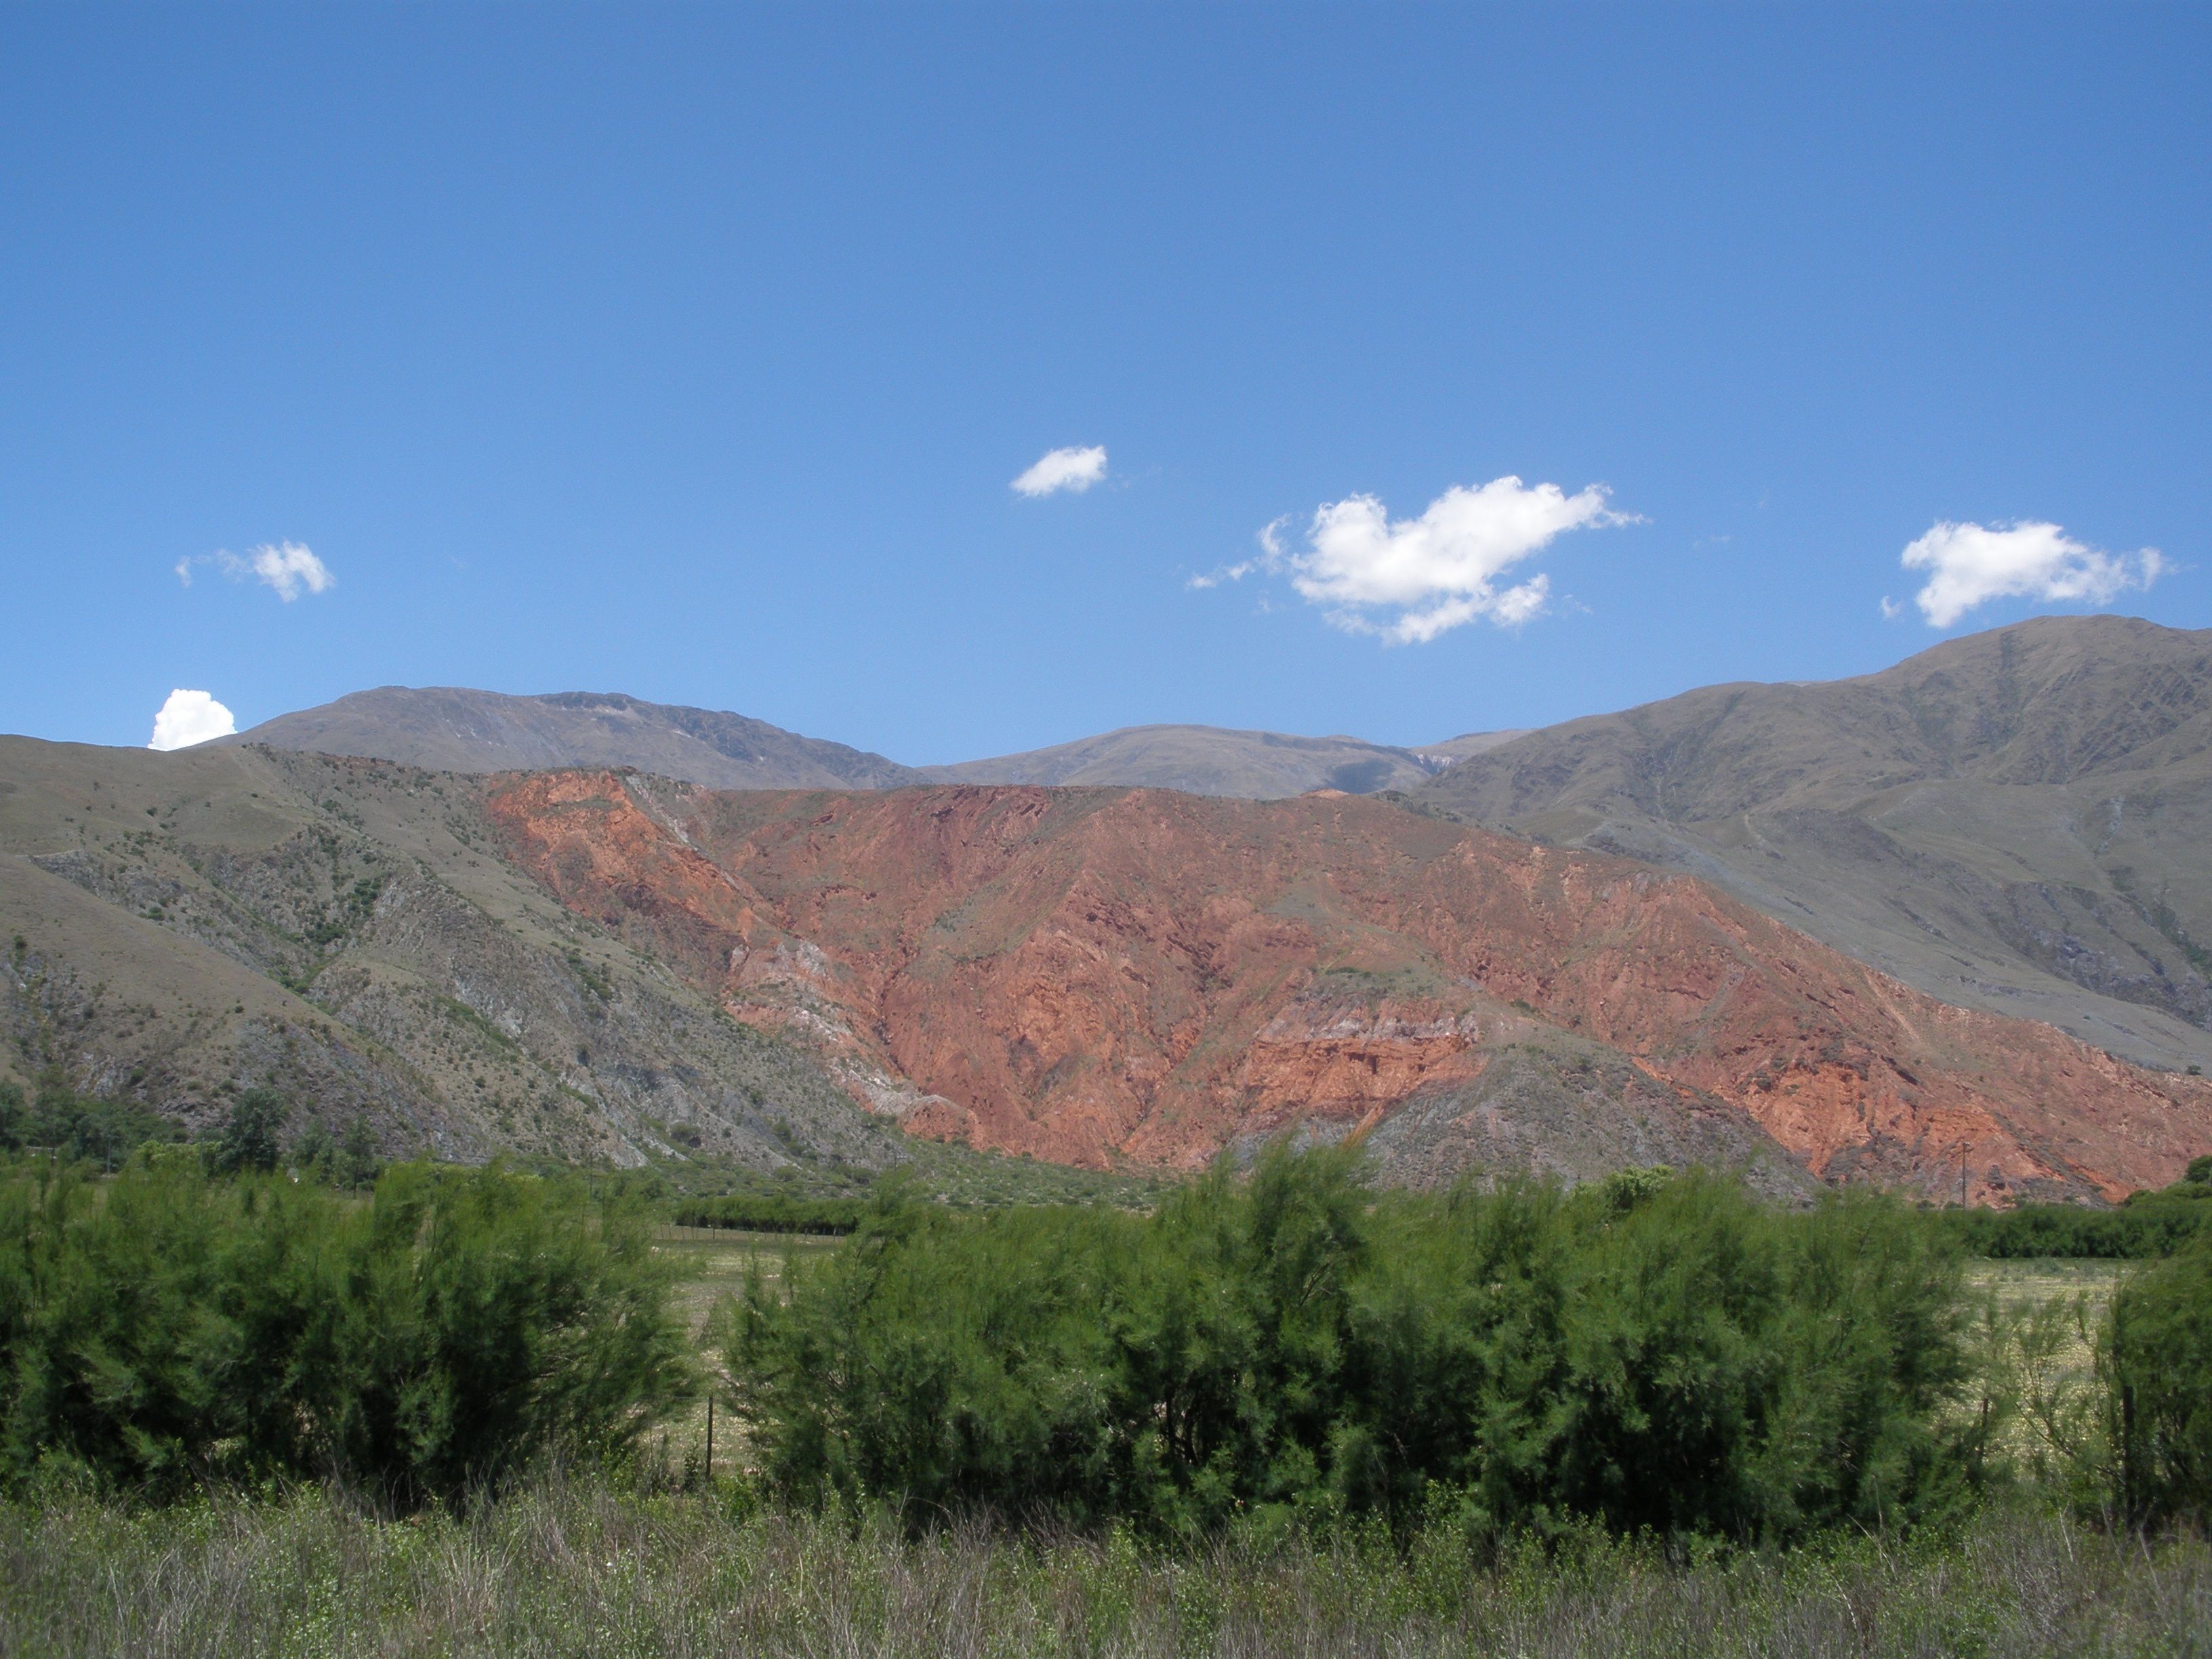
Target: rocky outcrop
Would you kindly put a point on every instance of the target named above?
(1092, 976)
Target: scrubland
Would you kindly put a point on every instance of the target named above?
(1282, 1413)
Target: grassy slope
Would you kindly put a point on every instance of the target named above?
(344, 927)
(2019, 821)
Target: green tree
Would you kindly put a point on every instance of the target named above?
(357, 1161)
(249, 1139)
(2157, 1357)
(1663, 1353)
(168, 1327)
(314, 1150)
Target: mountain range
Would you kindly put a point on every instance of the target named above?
(1790, 929)
(2019, 821)
(449, 729)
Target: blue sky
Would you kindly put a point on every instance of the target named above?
(692, 353)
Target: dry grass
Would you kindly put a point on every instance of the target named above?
(717, 1260)
(720, 1257)
(582, 1569)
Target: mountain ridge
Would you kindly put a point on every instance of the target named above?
(1204, 760)
(606, 965)
(455, 729)
(2018, 820)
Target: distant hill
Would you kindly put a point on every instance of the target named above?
(1206, 760)
(2019, 821)
(1454, 749)
(448, 729)
(176, 927)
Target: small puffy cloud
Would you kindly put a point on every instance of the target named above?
(287, 566)
(190, 717)
(1063, 469)
(1411, 580)
(1971, 564)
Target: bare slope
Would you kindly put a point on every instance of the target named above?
(1090, 974)
(2019, 821)
(1205, 760)
(180, 927)
(442, 728)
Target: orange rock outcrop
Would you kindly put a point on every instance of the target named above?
(1091, 975)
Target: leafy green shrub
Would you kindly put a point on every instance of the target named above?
(84, 1128)
(351, 1162)
(1668, 1354)
(165, 1328)
(2149, 1225)
(2158, 1361)
(248, 1140)
(772, 1213)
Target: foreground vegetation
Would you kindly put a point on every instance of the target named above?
(1281, 1411)
(1658, 1353)
(581, 1568)
(169, 1329)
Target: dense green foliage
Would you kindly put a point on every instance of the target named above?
(2149, 1226)
(250, 1141)
(769, 1213)
(1653, 1353)
(2158, 1355)
(165, 1328)
(349, 1161)
(81, 1127)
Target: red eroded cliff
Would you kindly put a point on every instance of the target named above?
(1088, 974)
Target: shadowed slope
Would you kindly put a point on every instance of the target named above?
(179, 928)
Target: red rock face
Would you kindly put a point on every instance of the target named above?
(1091, 975)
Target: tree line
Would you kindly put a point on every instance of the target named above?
(106, 1132)
(1282, 1346)
(2145, 1226)
(1654, 1352)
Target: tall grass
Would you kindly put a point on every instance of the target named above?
(580, 1569)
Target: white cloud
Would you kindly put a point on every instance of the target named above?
(288, 567)
(1972, 564)
(1410, 580)
(1063, 469)
(190, 717)
(1271, 558)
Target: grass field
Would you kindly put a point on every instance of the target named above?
(580, 1569)
(717, 1260)
(2022, 1285)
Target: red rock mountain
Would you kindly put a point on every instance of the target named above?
(1093, 975)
